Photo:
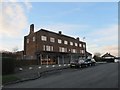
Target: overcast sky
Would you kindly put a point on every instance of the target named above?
(96, 21)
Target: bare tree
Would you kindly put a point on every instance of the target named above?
(15, 49)
(97, 54)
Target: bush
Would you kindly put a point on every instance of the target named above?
(8, 65)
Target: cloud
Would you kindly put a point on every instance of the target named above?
(104, 40)
(14, 21)
(13, 18)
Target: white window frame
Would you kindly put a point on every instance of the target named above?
(65, 42)
(44, 48)
(47, 48)
(73, 50)
(33, 38)
(62, 49)
(76, 44)
(83, 51)
(51, 48)
(71, 43)
(43, 38)
(52, 39)
(80, 45)
(83, 45)
(27, 40)
(59, 41)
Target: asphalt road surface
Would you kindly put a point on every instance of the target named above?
(100, 76)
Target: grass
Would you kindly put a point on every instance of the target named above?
(9, 78)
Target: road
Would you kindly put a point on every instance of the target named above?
(100, 76)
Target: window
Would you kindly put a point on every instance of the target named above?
(27, 40)
(80, 45)
(66, 42)
(83, 51)
(75, 44)
(73, 51)
(71, 43)
(51, 48)
(33, 39)
(59, 41)
(43, 47)
(52, 39)
(83, 45)
(62, 49)
(47, 48)
(43, 38)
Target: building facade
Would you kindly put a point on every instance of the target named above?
(48, 47)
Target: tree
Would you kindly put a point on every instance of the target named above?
(15, 49)
(97, 56)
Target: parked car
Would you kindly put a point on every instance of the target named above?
(74, 63)
(78, 63)
(90, 62)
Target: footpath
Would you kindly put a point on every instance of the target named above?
(33, 72)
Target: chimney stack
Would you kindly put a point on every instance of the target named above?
(31, 28)
(77, 38)
(60, 32)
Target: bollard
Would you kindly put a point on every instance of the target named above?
(20, 69)
(47, 66)
(53, 65)
(59, 65)
(30, 68)
(39, 67)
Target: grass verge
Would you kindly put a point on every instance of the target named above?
(9, 78)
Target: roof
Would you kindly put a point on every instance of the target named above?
(108, 55)
(58, 34)
(88, 53)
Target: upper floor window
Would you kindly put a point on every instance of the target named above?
(33, 39)
(73, 50)
(47, 48)
(44, 47)
(62, 49)
(65, 42)
(83, 45)
(27, 40)
(52, 39)
(82, 51)
(80, 45)
(71, 43)
(76, 44)
(43, 38)
(59, 41)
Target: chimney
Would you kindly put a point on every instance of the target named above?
(60, 32)
(77, 38)
(31, 28)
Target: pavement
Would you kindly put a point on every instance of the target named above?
(33, 72)
(99, 76)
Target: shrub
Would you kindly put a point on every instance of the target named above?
(8, 65)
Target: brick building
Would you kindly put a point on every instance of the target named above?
(48, 47)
